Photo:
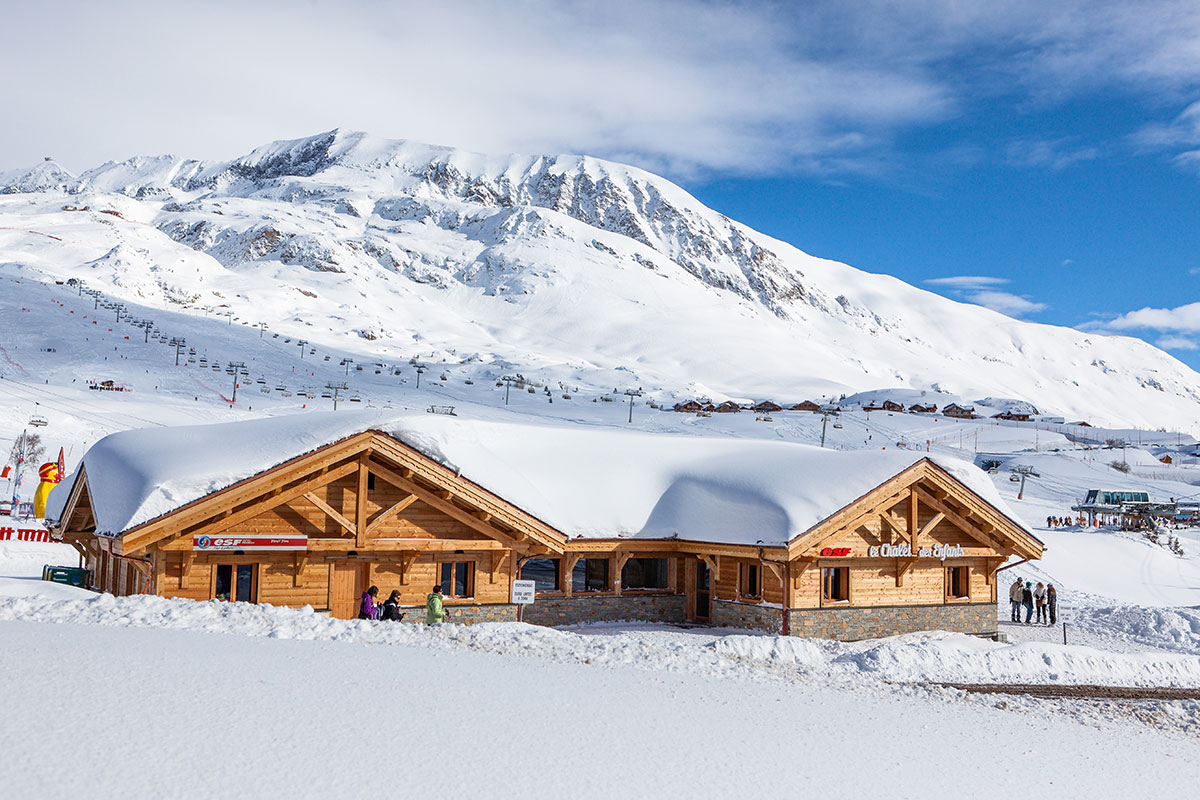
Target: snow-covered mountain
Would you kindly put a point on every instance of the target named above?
(562, 264)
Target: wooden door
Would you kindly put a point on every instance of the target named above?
(347, 582)
(699, 591)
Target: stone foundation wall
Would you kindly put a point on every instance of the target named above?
(466, 615)
(728, 614)
(851, 624)
(576, 610)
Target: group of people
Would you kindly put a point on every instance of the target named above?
(435, 611)
(1044, 597)
(1060, 522)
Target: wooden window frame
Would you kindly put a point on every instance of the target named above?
(471, 577)
(667, 589)
(966, 582)
(233, 565)
(608, 588)
(744, 568)
(558, 589)
(827, 601)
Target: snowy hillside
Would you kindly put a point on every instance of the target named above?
(565, 267)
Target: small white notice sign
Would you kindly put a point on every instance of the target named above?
(522, 592)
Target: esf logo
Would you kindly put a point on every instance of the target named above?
(203, 542)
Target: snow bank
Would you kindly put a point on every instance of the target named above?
(915, 658)
(582, 480)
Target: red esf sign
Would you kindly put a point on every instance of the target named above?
(225, 543)
(835, 552)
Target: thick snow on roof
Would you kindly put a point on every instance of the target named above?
(585, 481)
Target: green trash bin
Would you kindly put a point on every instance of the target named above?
(72, 576)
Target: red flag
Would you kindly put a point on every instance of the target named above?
(62, 465)
(4, 474)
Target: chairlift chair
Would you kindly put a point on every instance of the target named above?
(38, 421)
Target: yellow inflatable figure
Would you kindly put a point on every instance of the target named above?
(48, 473)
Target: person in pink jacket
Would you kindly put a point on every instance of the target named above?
(367, 609)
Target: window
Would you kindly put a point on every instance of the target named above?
(458, 578)
(957, 583)
(370, 481)
(590, 575)
(236, 583)
(543, 572)
(645, 573)
(750, 581)
(835, 584)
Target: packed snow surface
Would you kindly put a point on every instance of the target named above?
(584, 481)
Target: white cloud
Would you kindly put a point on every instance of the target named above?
(1055, 154)
(982, 290)
(822, 86)
(1181, 319)
(967, 281)
(1006, 303)
(1176, 343)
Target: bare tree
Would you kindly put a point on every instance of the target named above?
(34, 449)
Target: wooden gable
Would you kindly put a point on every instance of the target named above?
(366, 492)
(921, 507)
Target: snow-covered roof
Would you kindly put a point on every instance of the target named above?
(586, 481)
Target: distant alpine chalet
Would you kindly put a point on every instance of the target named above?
(313, 509)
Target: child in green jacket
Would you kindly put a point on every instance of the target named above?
(434, 612)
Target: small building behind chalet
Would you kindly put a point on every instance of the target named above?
(807, 405)
(959, 412)
(312, 509)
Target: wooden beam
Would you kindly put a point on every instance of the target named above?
(445, 494)
(776, 568)
(301, 562)
(445, 506)
(929, 526)
(186, 568)
(481, 515)
(383, 544)
(360, 500)
(384, 516)
(957, 519)
(331, 512)
(621, 558)
(498, 559)
(264, 505)
(913, 518)
(902, 566)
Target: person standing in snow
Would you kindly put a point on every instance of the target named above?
(1014, 597)
(1052, 604)
(391, 607)
(366, 608)
(435, 612)
(1027, 601)
(1039, 598)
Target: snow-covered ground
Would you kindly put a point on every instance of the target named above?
(287, 701)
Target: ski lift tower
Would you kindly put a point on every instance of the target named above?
(237, 367)
(303, 344)
(335, 389)
(180, 345)
(509, 380)
(1025, 472)
(632, 393)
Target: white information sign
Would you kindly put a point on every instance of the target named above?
(522, 592)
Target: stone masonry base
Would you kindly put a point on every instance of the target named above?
(606, 608)
(851, 624)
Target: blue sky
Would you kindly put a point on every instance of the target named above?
(1039, 158)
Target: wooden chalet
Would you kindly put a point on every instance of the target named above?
(728, 407)
(690, 407)
(919, 551)
(1013, 416)
(917, 408)
(891, 405)
(807, 405)
(959, 412)
(766, 406)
